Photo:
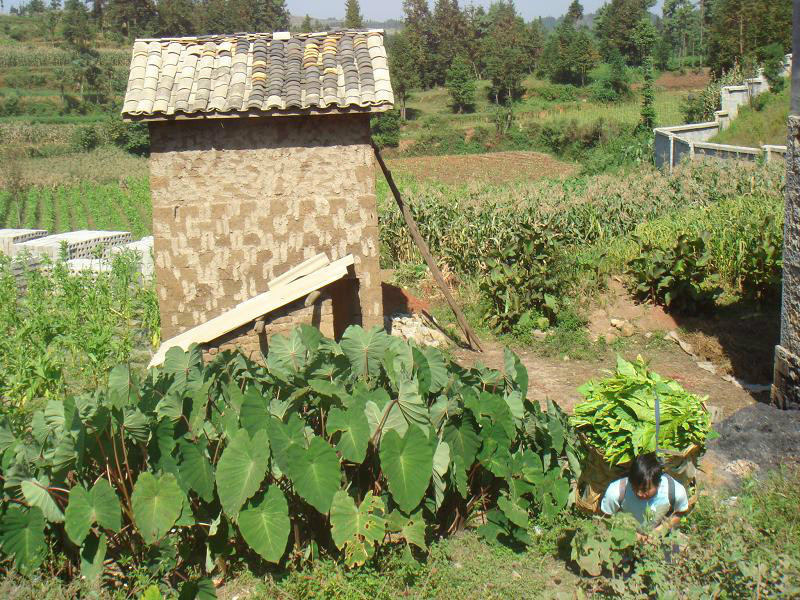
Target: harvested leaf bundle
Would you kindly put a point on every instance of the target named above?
(618, 416)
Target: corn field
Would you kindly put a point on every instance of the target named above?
(22, 56)
(87, 206)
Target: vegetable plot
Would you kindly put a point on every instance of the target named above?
(618, 416)
(333, 447)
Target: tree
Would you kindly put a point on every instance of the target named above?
(618, 77)
(574, 12)
(738, 28)
(402, 69)
(680, 21)
(352, 17)
(419, 32)
(569, 55)
(644, 38)
(131, 18)
(476, 29)
(76, 26)
(616, 23)
(449, 29)
(307, 26)
(461, 85)
(176, 18)
(648, 117)
(534, 43)
(504, 50)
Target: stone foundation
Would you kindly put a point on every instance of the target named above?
(786, 385)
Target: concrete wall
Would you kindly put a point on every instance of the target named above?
(237, 202)
(672, 144)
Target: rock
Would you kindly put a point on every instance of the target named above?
(540, 335)
(648, 335)
(414, 327)
(627, 330)
(707, 366)
(610, 338)
(617, 323)
(741, 468)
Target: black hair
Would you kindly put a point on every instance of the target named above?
(645, 471)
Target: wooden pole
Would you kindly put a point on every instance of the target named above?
(472, 339)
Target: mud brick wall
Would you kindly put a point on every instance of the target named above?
(238, 202)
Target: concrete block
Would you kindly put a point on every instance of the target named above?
(11, 237)
(79, 244)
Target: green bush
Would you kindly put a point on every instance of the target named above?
(85, 138)
(760, 268)
(525, 279)
(340, 447)
(386, 129)
(677, 278)
(555, 92)
(773, 57)
(131, 137)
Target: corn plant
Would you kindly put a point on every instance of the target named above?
(335, 447)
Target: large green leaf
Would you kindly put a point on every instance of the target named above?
(254, 412)
(315, 473)
(287, 355)
(37, 495)
(516, 372)
(407, 463)
(412, 405)
(265, 526)
(365, 349)
(157, 504)
(410, 528)
(93, 556)
(121, 387)
(241, 469)
(202, 589)
(441, 462)
(354, 429)
(186, 367)
(85, 508)
(463, 441)
(22, 536)
(437, 367)
(356, 530)
(196, 470)
(283, 436)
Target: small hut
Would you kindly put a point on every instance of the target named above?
(260, 159)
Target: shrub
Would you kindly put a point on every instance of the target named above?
(131, 137)
(773, 57)
(676, 277)
(525, 279)
(386, 129)
(11, 106)
(700, 107)
(760, 270)
(84, 138)
(555, 92)
(343, 447)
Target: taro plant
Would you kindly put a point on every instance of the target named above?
(677, 278)
(328, 447)
(525, 278)
(601, 545)
(760, 268)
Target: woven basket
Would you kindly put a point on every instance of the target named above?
(597, 474)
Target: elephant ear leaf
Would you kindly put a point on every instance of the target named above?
(85, 508)
(365, 349)
(157, 504)
(37, 495)
(22, 536)
(407, 463)
(241, 469)
(265, 526)
(356, 529)
(354, 428)
(315, 473)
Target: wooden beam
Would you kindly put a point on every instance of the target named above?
(472, 339)
(255, 307)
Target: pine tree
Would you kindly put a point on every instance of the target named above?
(271, 15)
(175, 18)
(76, 25)
(131, 18)
(352, 17)
(504, 49)
(574, 12)
(616, 24)
(449, 35)
(307, 26)
(419, 35)
(461, 85)
(402, 69)
(648, 118)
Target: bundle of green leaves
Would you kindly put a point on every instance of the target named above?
(332, 447)
(618, 416)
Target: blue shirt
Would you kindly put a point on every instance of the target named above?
(647, 512)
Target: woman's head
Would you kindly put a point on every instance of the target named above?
(645, 475)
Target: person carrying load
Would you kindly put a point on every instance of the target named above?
(655, 499)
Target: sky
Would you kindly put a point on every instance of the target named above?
(381, 10)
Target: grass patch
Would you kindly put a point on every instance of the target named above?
(763, 123)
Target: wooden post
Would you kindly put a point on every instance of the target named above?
(472, 339)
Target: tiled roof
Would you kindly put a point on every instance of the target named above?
(258, 73)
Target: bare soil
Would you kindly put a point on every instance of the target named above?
(491, 168)
(689, 81)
